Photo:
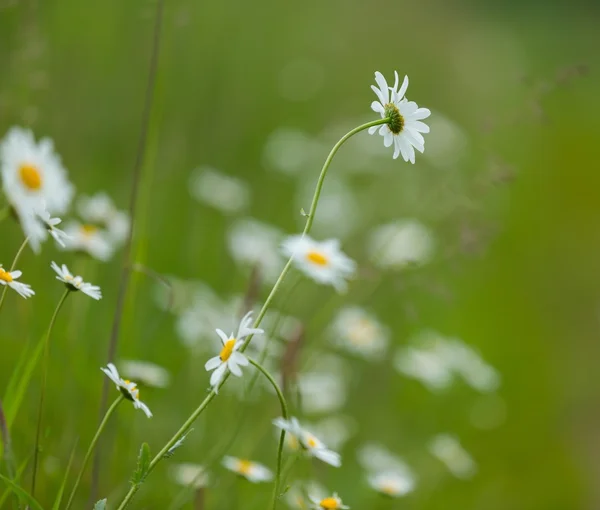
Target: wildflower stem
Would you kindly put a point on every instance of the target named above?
(43, 389)
(88, 454)
(284, 412)
(12, 267)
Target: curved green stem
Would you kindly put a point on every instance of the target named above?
(284, 412)
(43, 390)
(12, 268)
(88, 454)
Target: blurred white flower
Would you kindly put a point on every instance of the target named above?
(99, 210)
(297, 495)
(359, 332)
(425, 365)
(309, 442)
(129, 389)
(392, 483)
(335, 430)
(404, 127)
(448, 450)
(256, 244)
(190, 475)
(252, 471)
(322, 392)
(146, 373)
(76, 283)
(90, 239)
(329, 503)
(9, 277)
(50, 226)
(400, 243)
(230, 358)
(223, 192)
(469, 365)
(447, 143)
(375, 458)
(323, 261)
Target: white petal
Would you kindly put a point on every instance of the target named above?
(240, 359)
(372, 129)
(222, 335)
(212, 363)
(217, 375)
(234, 368)
(403, 88)
(420, 126)
(388, 139)
(376, 106)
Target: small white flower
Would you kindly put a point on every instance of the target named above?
(223, 192)
(99, 210)
(127, 388)
(190, 475)
(425, 365)
(75, 283)
(309, 442)
(400, 243)
(50, 223)
(297, 495)
(405, 127)
(448, 450)
(229, 358)
(392, 483)
(357, 331)
(323, 261)
(252, 471)
(90, 239)
(329, 503)
(147, 373)
(8, 278)
(377, 459)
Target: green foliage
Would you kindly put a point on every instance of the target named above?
(61, 490)
(22, 494)
(143, 465)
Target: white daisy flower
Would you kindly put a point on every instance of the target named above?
(404, 127)
(100, 210)
(8, 278)
(329, 503)
(32, 173)
(75, 283)
(127, 388)
(252, 471)
(229, 358)
(297, 495)
(190, 475)
(426, 365)
(392, 483)
(50, 223)
(146, 373)
(449, 451)
(377, 459)
(359, 332)
(309, 442)
(90, 239)
(323, 261)
(223, 192)
(400, 243)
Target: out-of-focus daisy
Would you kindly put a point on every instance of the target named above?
(297, 495)
(129, 389)
(252, 471)
(99, 210)
(190, 475)
(256, 244)
(322, 392)
(404, 127)
(470, 366)
(329, 503)
(400, 243)
(392, 483)
(229, 358)
(358, 331)
(425, 365)
(323, 261)
(75, 283)
(9, 277)
(223, 192)
(309, 442)
(146, 373)
(50, 225)
(90, 239)
(335, 431)
(448, 450)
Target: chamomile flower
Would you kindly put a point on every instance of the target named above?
(308, 441)
(9, 277)
(75, 283)
(449, 451)
(323, 261)
(400, 243)
(147, 373)
(252, 471)
(404, 128)
(229, 358)
(392, 483)
(99, 210)
(190, 475)
(298, 494)
(127, 388)
(90, 239)
(50, 224)
(329, 503)
(227, 194)
(359, 332)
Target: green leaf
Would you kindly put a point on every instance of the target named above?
(143, 465)
(59, 496)
(8, 492)
(101, 505)
(22, 493)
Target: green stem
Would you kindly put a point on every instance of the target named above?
(12, 267)
(309, 221)
(88, 454)
(43, 391)
(284, 412)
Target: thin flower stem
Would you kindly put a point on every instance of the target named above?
(284, 412)
(43, 389)
(88, 454)
(309, 221)
(12, 268)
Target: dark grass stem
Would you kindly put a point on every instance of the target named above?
(12, 268)
(133, 200)
(45, 361)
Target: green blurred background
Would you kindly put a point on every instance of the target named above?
(513, 202)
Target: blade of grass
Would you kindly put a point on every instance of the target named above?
(22, 493)
(59, 496)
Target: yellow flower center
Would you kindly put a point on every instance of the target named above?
(244, 467)
(329, 503)
(5, 276)
(135, 393)
(30, 177)
(88, 230)
(227, 350)
(389, 489)
(317, 258)
(362, 333)
(311, 442)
